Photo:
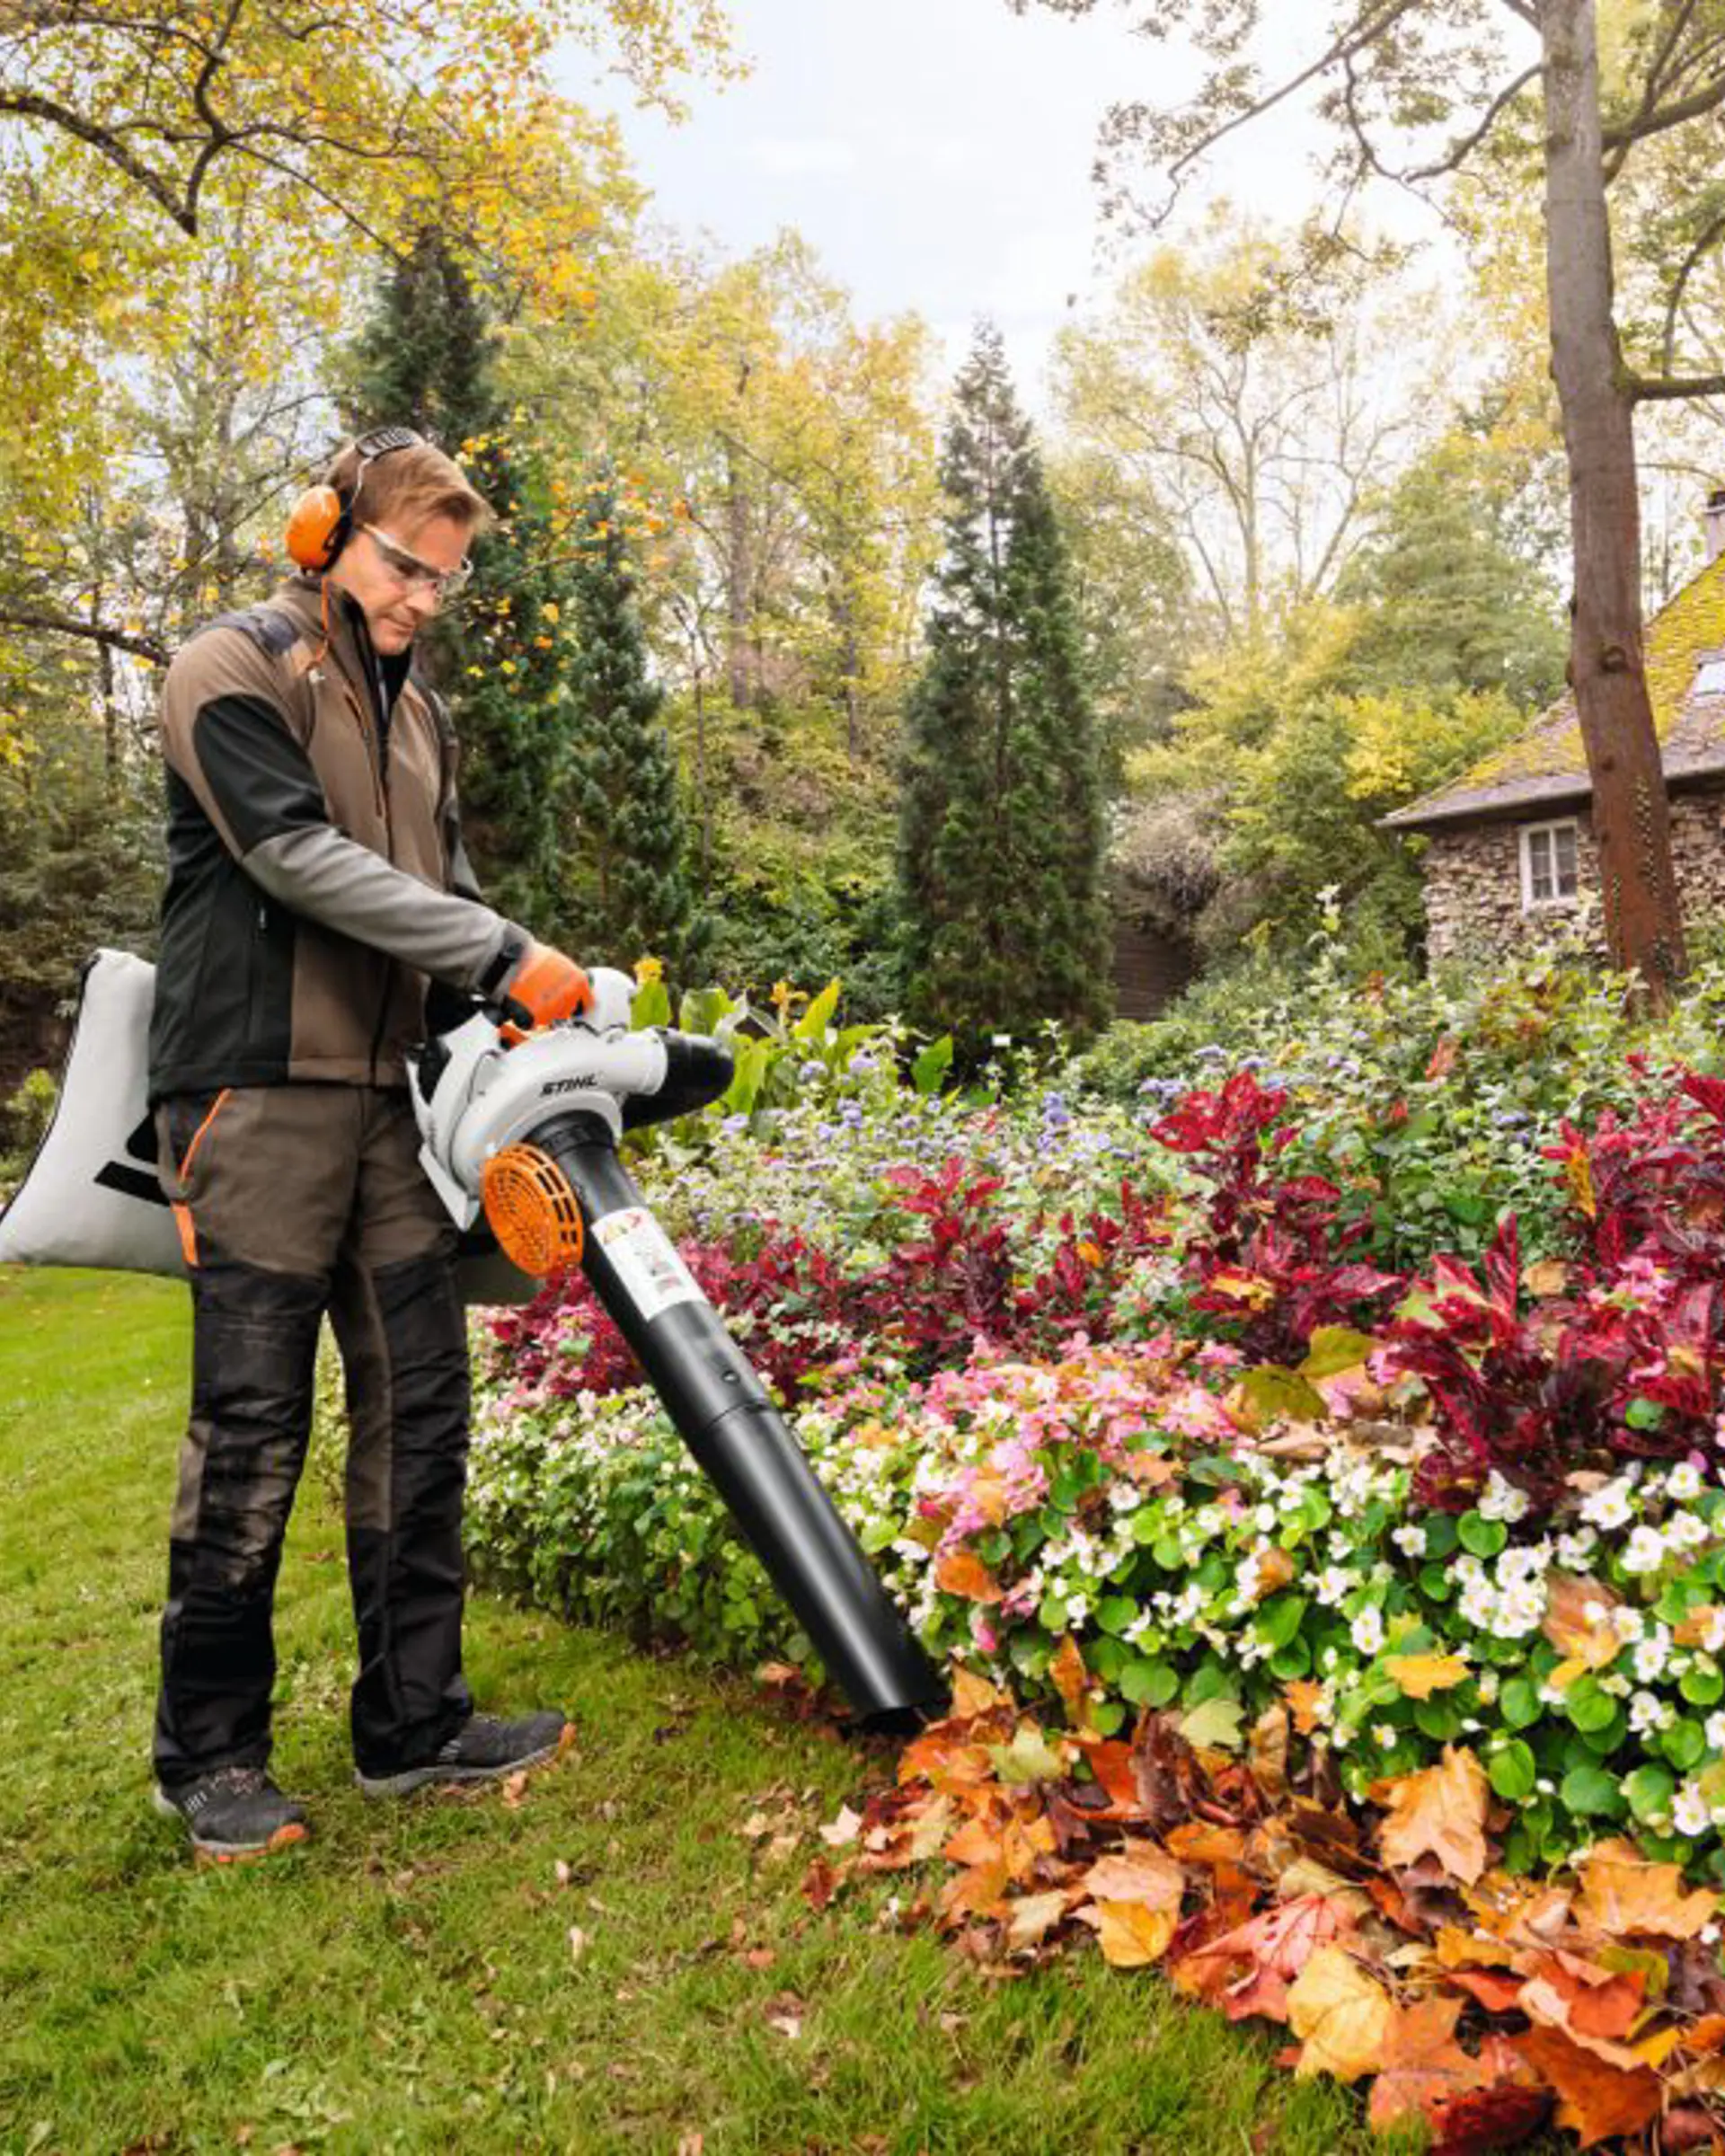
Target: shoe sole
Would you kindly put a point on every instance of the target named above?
(420, 1777)
(228, 1852)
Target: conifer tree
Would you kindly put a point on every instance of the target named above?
(427, 359)
(1001, 830)
(625, 884)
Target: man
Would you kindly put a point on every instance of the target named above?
(316, 883)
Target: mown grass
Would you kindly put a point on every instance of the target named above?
(406, 1981)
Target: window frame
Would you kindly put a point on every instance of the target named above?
(1524, 836)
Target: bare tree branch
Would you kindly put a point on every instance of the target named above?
(1657, 389)
(61, 624)
(27, 105)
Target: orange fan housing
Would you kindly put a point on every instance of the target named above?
(532, 1210)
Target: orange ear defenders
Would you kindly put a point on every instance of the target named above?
(321, 520)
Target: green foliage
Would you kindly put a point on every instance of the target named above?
(625, 882)
(1448, 601)
(1000, 830)
(1289, 764)
(24, 1119)
(83, 861)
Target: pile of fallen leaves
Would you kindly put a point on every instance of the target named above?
(1387, 1942)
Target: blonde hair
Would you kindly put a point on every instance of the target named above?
(406, 488)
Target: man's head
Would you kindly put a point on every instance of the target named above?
(413, 516)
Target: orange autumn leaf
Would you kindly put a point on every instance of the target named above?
(1303, 1695)
(1196, 1842)
(1439, 1812)
(976, 1842)
(1696, 1628)
(1422, 2069)
(1343, 2016)
(1623, 1892)
(1132, 1934)
(963, 1572)
(973, 1695)
(1570, 1625)
(1072, 1680)
(1590, 2012)
(1496, 1990)
(1143, 1875)
(1032, 1916)
(1275, 1571)
(1598, 2100)
(1417, 1676)
(1248, 1969)
(980, 1891)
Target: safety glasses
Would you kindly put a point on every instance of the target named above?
(417, 575)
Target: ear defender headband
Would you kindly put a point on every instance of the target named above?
(321, 521)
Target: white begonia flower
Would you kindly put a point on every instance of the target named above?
(1689, 1813)
(1646, 1551)
(1712, 1636)
(1651, 1655)
(1386, 1733)
(1409, 1541)
(1573, 1550)
(1648, 1713)
(1332, 1583)
(1609, 1506)
(1714, 1727)
(1367, 1631)
(1686, 1531)
(1265, 1519)
(1488, 1681)
(1521, 1610)
(1683, 1482)
(1515, 1568)
(1500, 1500)
(1479, 1604)
(1627, 1622)
(1467, 1569)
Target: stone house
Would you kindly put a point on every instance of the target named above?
(1509, 843)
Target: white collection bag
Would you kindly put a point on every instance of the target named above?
(91, 1197)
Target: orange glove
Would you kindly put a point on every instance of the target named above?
(544, 988)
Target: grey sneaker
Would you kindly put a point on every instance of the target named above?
(234, 1812)
(483, 1749)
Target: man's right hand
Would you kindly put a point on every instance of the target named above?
(544, 988)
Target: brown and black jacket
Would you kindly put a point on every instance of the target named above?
(316, 878)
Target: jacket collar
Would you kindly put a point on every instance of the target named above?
(372, 672)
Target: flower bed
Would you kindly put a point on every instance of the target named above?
(1205, 1448)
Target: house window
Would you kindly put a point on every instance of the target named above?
(1548, 865)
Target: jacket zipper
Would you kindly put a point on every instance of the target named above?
(374, 754)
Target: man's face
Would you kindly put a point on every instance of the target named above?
(379, 570)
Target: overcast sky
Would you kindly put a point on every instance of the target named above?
(937, 153)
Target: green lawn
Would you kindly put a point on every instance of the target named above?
(407, 1979)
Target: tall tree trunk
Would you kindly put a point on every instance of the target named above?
(1631, 816)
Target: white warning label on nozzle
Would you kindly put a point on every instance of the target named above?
(653, 1276)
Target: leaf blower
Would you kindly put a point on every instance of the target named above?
(529, 1134)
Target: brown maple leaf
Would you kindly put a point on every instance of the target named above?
(1422, 2069)
(1596, 2099)
(1585, 1640)
(1440, 1812)
(1623, 1892)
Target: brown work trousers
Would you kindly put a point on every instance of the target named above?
(292, 1200)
